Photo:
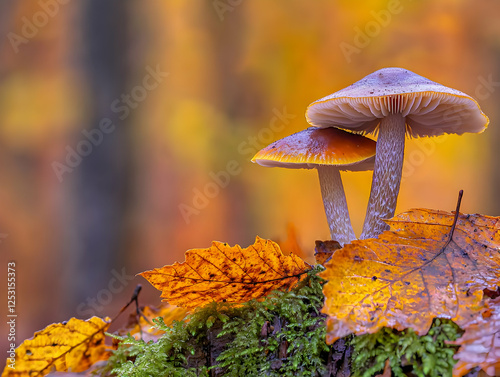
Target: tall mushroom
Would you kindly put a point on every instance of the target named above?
(395, 102)
(328, 150)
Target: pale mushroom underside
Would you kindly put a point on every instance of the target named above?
(425, 113)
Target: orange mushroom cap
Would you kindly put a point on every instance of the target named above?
(319, 146)
(429, 108)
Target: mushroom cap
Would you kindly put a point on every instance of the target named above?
(429, 108)
(319, 146)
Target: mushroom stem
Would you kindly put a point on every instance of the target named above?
(386, 175)
(335, 204)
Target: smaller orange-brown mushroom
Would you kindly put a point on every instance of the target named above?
(328, 150)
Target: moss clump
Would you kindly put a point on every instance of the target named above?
(166, 357)
(427, 355)
(283, 335)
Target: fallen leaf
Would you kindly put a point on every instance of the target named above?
(411, 274)
(387, 370)
(480, 344)
(324, 250)
(492, 294)
(144, 328)
(291, 244)
(93, 371)
(73, 346)
(227, 274)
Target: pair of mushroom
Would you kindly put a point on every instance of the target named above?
(394, 102)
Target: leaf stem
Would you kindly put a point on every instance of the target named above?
(455, 219)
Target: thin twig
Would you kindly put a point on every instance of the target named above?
(134, 298)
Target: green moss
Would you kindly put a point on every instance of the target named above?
(254, 334)
(293, 329)
(166, 357)
(427, 355)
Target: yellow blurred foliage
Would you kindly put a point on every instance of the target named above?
(34, 108)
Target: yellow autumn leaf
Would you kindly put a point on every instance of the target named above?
(74, 346)
(411, 274)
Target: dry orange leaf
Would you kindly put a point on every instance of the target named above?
(223, 273)
(324, 250)
(169, 313)
(408, 275)
(144, 329)
(74, 346)
(480, 344)
(291, 243)
(387, 370)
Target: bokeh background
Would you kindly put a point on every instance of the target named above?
(188, 91)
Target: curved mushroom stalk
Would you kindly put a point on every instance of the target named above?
(329, 150)
(335, 204)
(386, 175)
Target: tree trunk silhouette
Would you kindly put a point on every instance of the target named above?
(101, 179)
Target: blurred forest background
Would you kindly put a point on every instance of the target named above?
(187, 92)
